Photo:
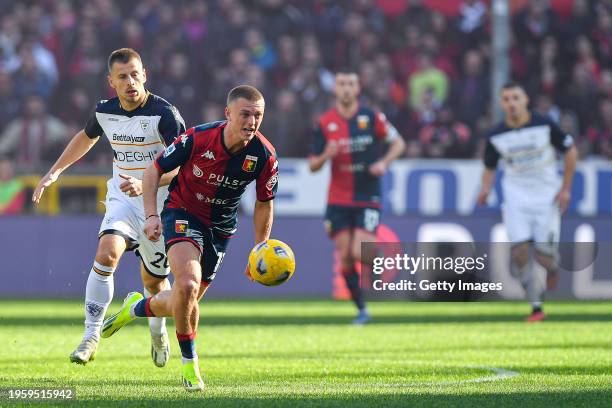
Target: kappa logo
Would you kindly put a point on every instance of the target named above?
(200, 196)
(249, 163)
(144, 124)
(275, 165)
(184, 139)
(332, 127)
(197, 171)
(180, 226)
(209, 155)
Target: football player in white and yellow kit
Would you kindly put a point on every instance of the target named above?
(138, 125)
(534, 196)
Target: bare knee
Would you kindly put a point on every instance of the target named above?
(108, 257)
(155, 285)
(520, 255)
(548, 262)
(110, 249)
(187, 287)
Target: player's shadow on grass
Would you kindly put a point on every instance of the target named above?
(329, 319)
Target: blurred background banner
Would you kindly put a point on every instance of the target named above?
(37, 262)
(432, 187)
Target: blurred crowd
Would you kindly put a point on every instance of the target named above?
(427, 70)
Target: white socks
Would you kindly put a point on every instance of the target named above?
(98, 295)
(157, 325)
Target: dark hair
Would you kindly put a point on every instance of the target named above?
(248, 92)
(512, 84)
(122, 55)
(347, 71)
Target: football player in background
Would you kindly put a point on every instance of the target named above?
(352, 137)
(138, 125)
(217, 162)
(534, 195)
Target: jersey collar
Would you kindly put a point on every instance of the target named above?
(144, 102)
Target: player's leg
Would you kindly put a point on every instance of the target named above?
(154, 269)
(160, 343)
(161, 304)
(99, 294)
(519, 226)
(547, 233)
(339, 226)
(366, 223)
(185, 265)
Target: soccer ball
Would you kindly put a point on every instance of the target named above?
(271, 262)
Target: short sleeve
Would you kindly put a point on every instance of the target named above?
(92, 127)
(491, 156)
(560, 140)
(171, 124)
(317, 144)
(383, 129)
(176, 154)
(267, 181)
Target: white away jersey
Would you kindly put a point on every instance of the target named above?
(529, 154)
(136, 136)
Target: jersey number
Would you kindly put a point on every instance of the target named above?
(160, 257)
(220, 256)
(370, 219)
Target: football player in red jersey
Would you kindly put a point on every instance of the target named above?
(217, 161)
(352, 136)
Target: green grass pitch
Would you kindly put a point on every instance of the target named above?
(304, 353)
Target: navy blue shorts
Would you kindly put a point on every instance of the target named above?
(339, 217)
(179, 225)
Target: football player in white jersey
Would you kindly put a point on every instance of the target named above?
(139, 125)
(534, 196)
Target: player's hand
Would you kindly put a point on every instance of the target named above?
(378, 169)
(44, 182)
(483, 195)
(331, 149)
(131, 186)
(247, 272)
(153, 228)
(563, 199)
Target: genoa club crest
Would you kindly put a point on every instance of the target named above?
(363, 121)
(180, 226)
(249, 163)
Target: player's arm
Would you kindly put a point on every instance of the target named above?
(170, 160)
(80, 144)
(262, 220)
(320, 150)
(569, 158)
(491, 158)
(171, 125)
(266, 186)
(396, 146)
(564, 143)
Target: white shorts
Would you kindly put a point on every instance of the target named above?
(127, 220)
(540, 225)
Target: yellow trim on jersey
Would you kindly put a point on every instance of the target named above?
(135, 168)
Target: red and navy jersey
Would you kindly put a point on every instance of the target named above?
(360, 141)
(211, 180)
